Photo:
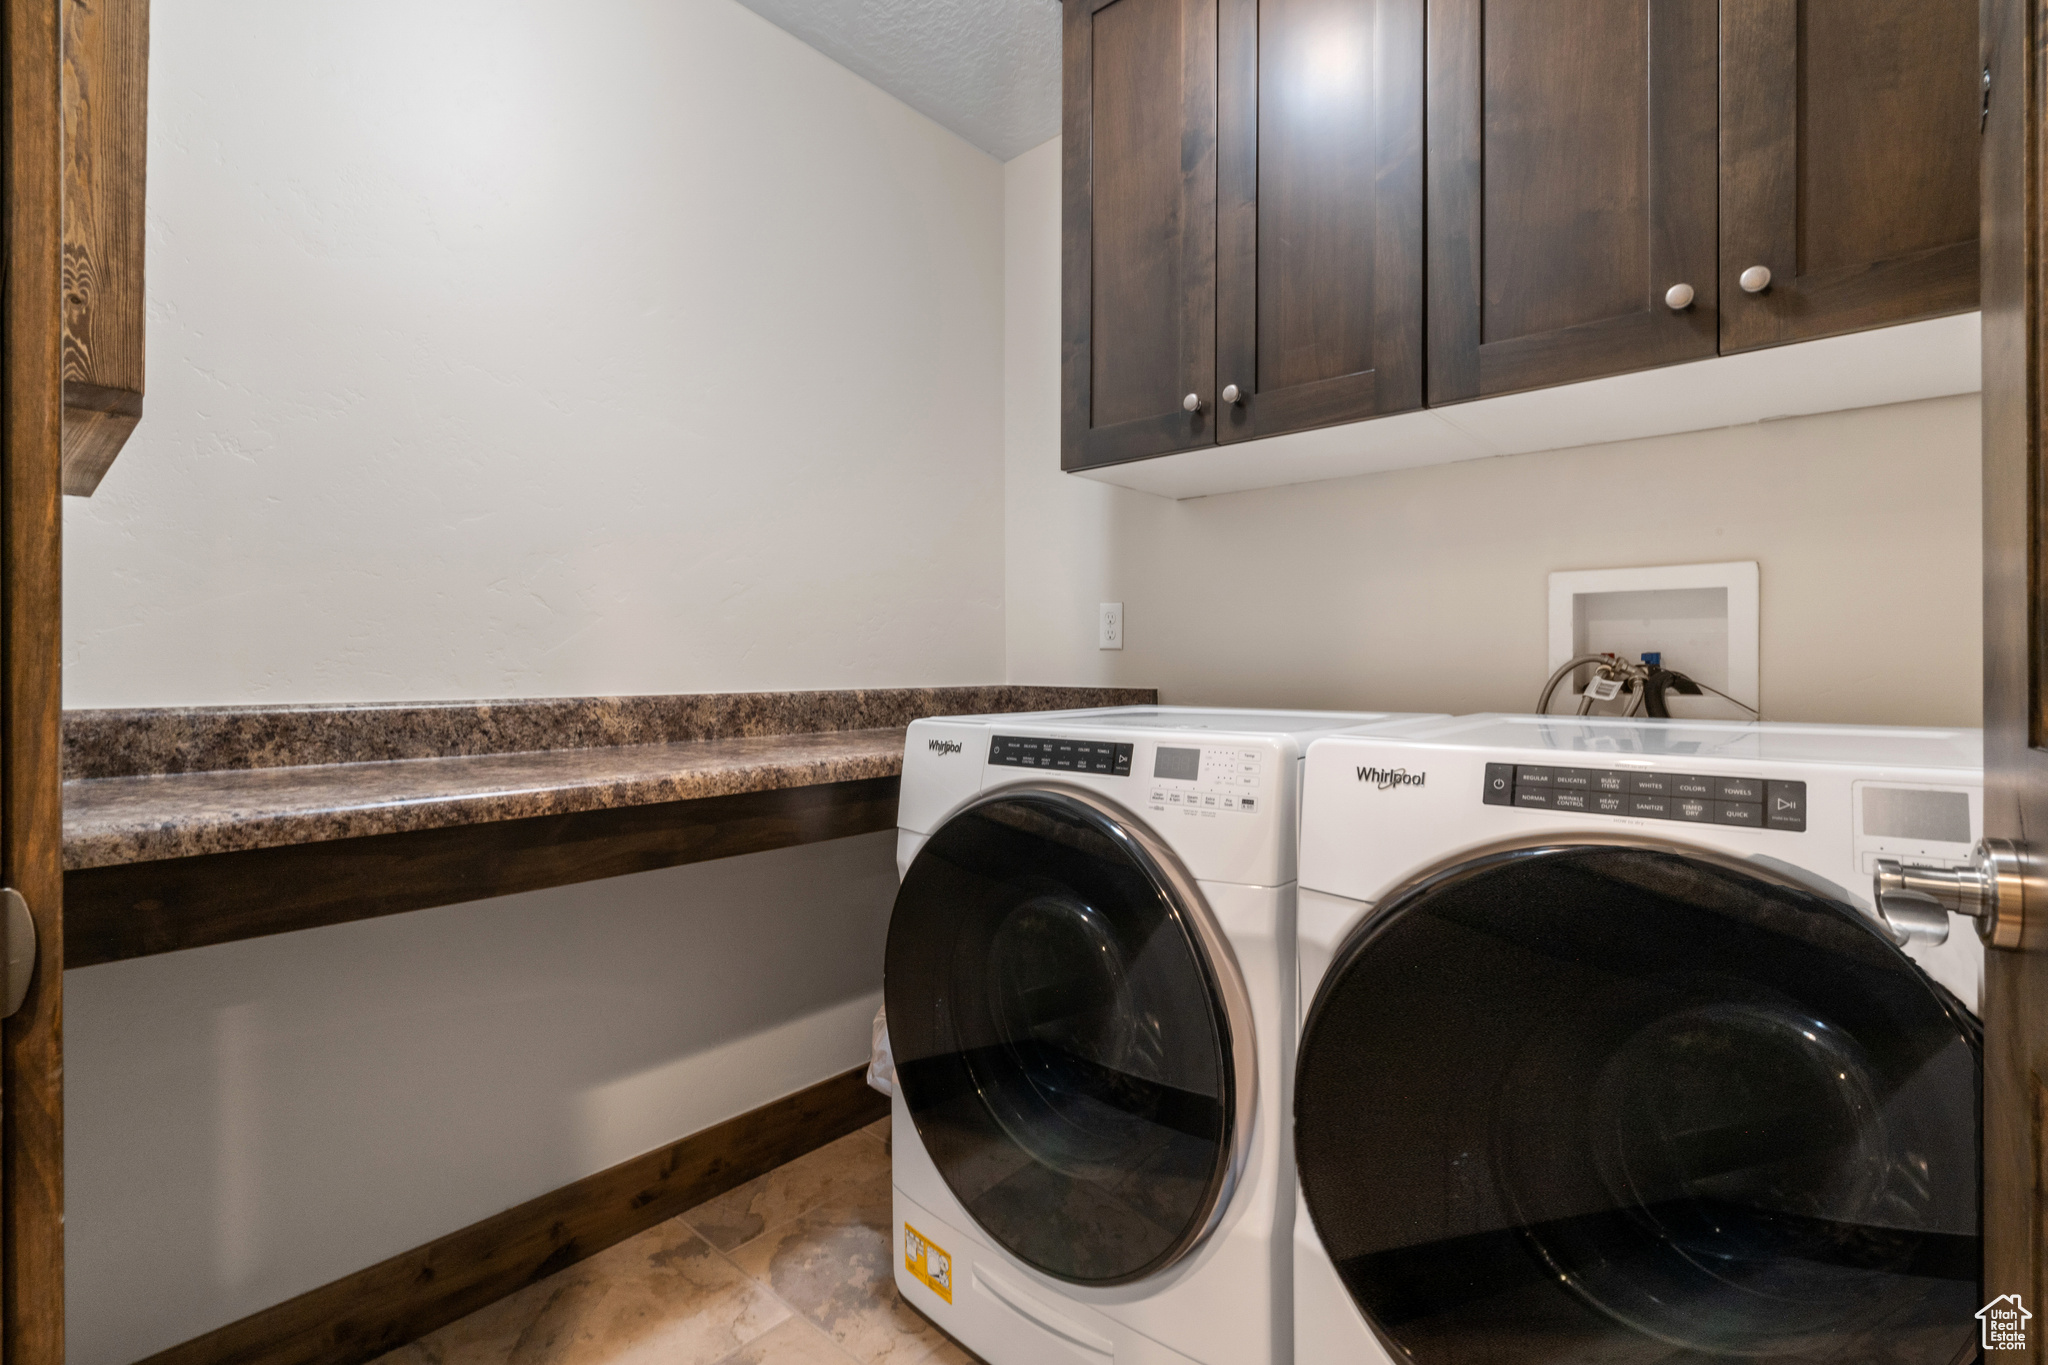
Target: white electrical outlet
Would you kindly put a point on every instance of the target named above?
(1109, 626)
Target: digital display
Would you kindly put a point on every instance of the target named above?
(1902, 813)
(1177, 765)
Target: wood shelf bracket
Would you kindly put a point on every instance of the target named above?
(106, 135)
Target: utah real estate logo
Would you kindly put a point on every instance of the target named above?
(2005, 1323)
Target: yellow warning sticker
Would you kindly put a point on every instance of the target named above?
(932, 1265)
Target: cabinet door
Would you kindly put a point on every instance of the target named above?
(1139, 270)
(1319, 221)
(1572, 185)
(1848, 164)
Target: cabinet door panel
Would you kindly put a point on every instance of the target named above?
(1319, 251)
(1572, 183)
(1566, 172)
(1139, 303)
(1848, 164)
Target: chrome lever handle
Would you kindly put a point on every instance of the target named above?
(1915, 902)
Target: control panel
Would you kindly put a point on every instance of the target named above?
(1065, 755)
(1207, 779)
(1746, 802)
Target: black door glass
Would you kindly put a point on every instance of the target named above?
(1059, 1040)
(1616, 1105)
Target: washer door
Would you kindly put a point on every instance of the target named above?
(1071, 1035)
(1616, 1103)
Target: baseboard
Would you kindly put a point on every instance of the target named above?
(361, 1316)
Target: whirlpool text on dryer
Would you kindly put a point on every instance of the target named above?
(1385, 778)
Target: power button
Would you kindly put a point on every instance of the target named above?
(1500, 784)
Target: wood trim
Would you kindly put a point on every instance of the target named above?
(106, 135)
(1452, 209)
(31, 798)
(373, 1311)
(1237, 216)
(2015, 770)
(138, 909)
(97, 423)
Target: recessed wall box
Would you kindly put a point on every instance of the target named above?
(1701, 618)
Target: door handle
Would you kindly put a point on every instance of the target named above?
(18, 932)
(1915, 901)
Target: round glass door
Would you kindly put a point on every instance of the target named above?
(1063, 1038)
(1631, 1104)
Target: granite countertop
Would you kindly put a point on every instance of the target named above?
(152, 785)
(139, 819)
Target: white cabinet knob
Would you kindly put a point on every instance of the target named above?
(1192, 403)
(1231, 395)
(1756, 279)
(1678, 297)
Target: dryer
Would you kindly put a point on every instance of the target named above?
(1090, 1003)
(1608, 1057)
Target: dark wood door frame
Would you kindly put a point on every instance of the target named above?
(31, 802)
(2016, 765)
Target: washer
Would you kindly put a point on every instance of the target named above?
(1090, 997)
(1608, 1058)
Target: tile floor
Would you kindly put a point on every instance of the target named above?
(794, 1268)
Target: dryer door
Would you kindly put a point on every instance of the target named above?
(1641, 1103)
(1071, 1034)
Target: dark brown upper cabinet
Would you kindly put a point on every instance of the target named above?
(1138, 306)
(1319, 214)
(1849, 144)
(1572, 190)
(1283, 215)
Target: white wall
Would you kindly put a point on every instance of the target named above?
(527, 348)
(1426, 589)
(511, 348)
(249, 1121)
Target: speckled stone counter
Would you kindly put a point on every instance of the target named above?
(161, 784)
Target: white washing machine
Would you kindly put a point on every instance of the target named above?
(1090, 992)
(1608, 1057)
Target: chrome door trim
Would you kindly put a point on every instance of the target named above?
(1226, 980)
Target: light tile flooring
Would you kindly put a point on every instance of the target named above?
(794, 1268)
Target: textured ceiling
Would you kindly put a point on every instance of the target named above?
(987, 69)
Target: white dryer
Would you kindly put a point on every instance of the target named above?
(1090, 986)
(1607, 1056)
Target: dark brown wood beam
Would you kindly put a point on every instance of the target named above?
(364, 1315)
(137, 909)
(106, 146)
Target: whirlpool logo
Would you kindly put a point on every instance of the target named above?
(943, 746)
(1384, 778)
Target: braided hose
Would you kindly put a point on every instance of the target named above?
(1550, 688)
